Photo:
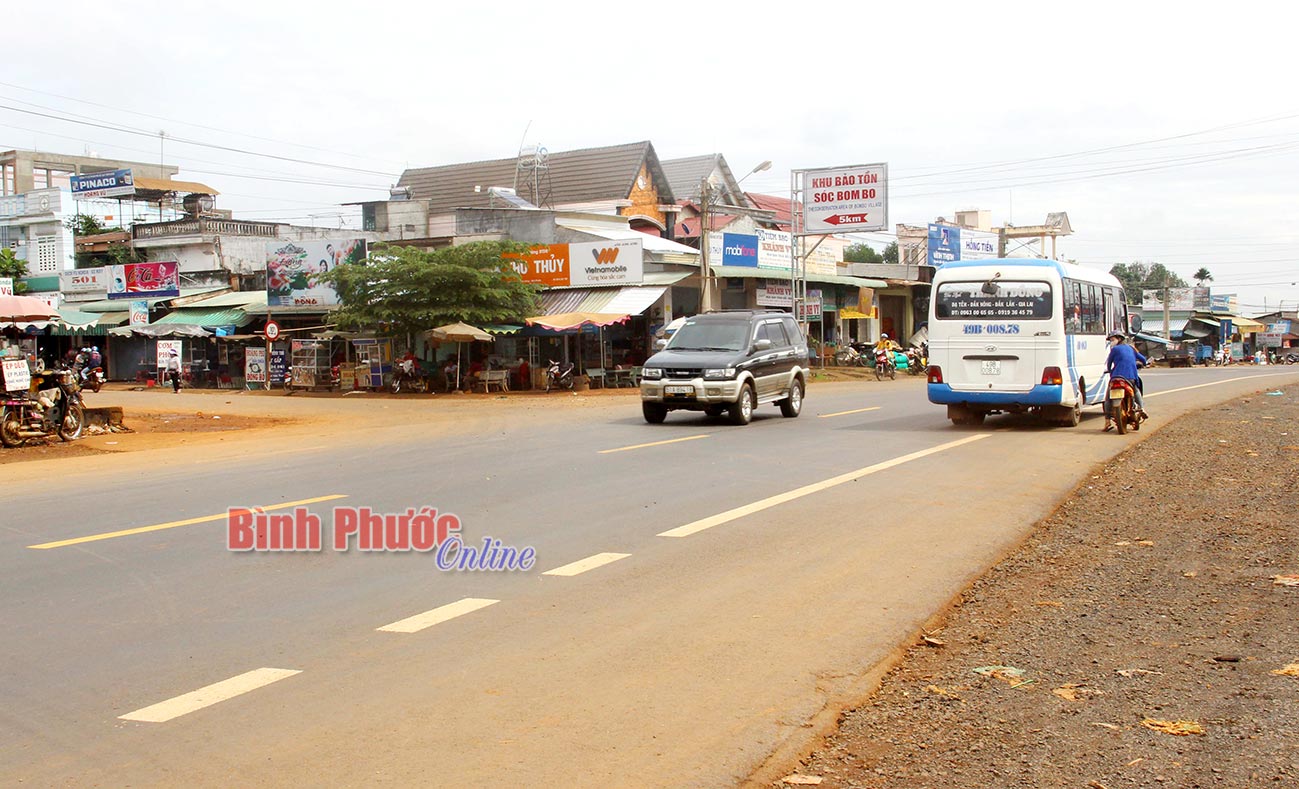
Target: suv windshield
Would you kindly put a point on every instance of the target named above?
(711, 336)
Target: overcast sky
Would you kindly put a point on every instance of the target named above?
(1168, 132)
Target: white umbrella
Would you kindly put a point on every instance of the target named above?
(459, 333)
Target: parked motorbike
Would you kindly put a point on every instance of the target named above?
(56, 410)
(559, 376)
(1292, 358)
(406, 375)
(916, 361)
(850, 356)
(884, 365)
(1123, 405)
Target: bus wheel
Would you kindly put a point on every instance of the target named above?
(1069, 415)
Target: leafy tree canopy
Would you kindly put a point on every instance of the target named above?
(1137, 276)
(891, 253)
(861, 253)
(405, 290)
(12, 267)
(1202, 276)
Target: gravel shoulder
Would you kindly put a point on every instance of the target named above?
(1143, 636)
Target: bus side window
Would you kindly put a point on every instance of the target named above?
(1093, 318)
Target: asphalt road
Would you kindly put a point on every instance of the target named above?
(722, 591)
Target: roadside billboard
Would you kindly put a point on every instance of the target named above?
(292, 268)
(845, 199)
(1179, 299)
(143, 280)
(116, 183)
(944, 244)
(582, 264)
(255, 365)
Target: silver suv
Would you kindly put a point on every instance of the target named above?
(728, 362)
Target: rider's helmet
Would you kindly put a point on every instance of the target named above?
(884, 336)
(94, 349)
(1114, 334)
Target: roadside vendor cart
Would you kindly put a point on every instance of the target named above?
(310, 365)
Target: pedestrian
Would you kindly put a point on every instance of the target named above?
(173, 371)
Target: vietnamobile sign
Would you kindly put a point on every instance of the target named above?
(585, 264)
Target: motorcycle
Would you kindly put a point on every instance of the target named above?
(1123, 405)
(93, 379)
(1292, 358)
(559, 376)
(884, 365)
(917, 364)
(57, 410)
(407, 374)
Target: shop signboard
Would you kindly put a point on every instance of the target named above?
(17, 375)
(279, 363)
(823, 259)
(774, 249)
(775, 294)
(165, 347)
(139, 313)
(143, 280)
(582, 264)
(846, 199)
(90, 283)
(255, 365)
(293, 269)
(978, 244)
(1223, 303)
(1279, 327)
(117, 183)
(1270, 339)
(6, 286)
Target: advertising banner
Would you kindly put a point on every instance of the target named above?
(165, 347)
(6, 286)
(582, 264)
(139, 313)
(844, 199)
(739, 249)
(112, 184)
(1224, 303)
(293, 266)
(1179, 299)
(17, 375)
(774, 250)
(143, 280)
(255, 365)
(944, 244)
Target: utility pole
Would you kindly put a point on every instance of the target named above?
(705, 264)
(1168, 329)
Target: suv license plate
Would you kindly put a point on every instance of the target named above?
(679, 390)
(991, 367)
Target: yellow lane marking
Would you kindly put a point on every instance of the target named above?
(416, 623)
(845, 413)
(215, 693)
(807, 490)
(654, 443)
(589, 563)
(174, 524)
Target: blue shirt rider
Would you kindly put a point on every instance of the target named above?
(1123, 362)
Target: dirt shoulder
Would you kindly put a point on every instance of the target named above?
(1146, 604)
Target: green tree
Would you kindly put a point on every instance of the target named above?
(891, 253)
(1137, 277)
(404, 290)
(86, 225)
(861, 253)
(1202, 276)
(12, 267)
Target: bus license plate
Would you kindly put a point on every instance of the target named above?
(992, 367)
(679, 390)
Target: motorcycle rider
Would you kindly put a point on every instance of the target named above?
(887, 347)
(1123, 362)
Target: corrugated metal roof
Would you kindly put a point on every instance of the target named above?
(207, 318)
(116, 305)
(587, 175)
(238, 298)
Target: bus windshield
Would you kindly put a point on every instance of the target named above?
(1007, 299)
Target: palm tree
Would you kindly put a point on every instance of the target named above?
(1202, 276)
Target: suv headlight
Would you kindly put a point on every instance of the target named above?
(720, 372)
(652, 372)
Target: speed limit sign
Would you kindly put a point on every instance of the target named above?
(272, 330)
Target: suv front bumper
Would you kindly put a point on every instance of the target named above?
(701, 392)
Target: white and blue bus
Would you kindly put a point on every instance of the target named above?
(1020, 334)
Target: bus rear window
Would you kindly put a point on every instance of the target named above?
(971, 301)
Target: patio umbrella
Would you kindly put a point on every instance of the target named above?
(22, 311)
(459, 333)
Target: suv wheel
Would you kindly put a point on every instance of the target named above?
(791, 406)
(742, 411)
(654, 413)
